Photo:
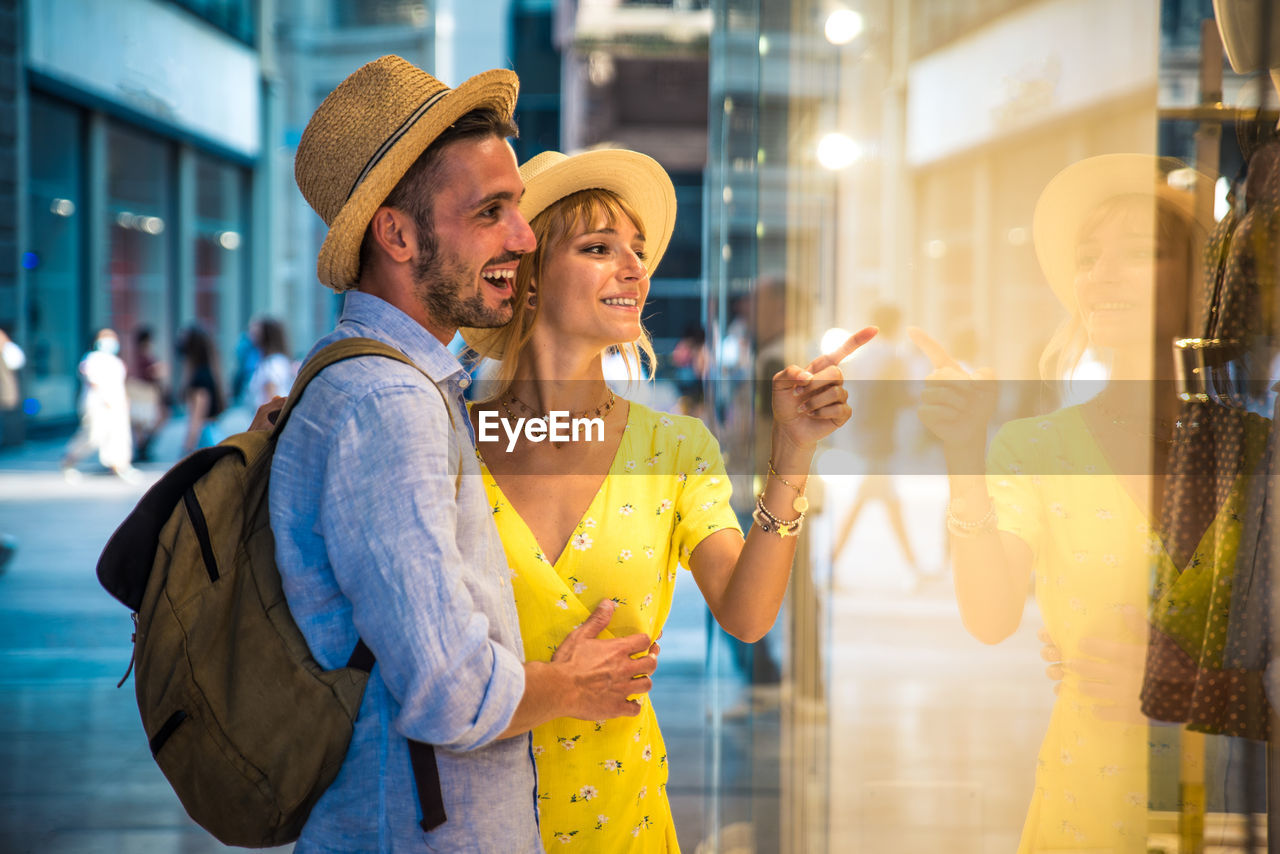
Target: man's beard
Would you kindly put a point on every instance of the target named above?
(438, 281)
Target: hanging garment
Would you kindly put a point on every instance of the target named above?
(1210, 626)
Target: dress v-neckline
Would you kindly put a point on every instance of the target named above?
(595, 497)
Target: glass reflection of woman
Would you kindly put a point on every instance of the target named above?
(583, 521)
(1068, 500)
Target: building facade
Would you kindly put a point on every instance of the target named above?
(140, 136)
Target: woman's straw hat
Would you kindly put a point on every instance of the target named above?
(636, 178)
(365, 136)
(1079, 190)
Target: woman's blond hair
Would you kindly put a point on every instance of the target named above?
(557, 224)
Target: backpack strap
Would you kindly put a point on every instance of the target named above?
(422, 756)
(348, 348)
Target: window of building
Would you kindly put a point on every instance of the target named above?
(220, 236)
(380, 13)
(237, 18)
(54, 259)
(140, 227)
(537, 61)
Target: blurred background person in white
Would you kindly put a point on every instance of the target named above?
(104, 412)
(11, 361)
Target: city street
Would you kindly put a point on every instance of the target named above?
(75, 771)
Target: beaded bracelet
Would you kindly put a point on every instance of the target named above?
(771, 524)
(961, 528)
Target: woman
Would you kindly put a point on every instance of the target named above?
(1070, 499)
(648, 493)
(201, 389)
(273, 377)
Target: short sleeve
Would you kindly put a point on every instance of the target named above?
(702, 503)
(1012, 486)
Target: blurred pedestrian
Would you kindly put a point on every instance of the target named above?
(104, 411)
(276, 369)
(148, 388)
(11, 361)
(691, 361)
(201, 389)
(881, 402)
(248, 355)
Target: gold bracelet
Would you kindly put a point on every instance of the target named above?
(961, 528)
(771, 524)
(800, 504)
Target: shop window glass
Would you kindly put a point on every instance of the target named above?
(914, 736)
(234, 17)
(221, 243)
(53, 258)
(140, 226)
(380, 13)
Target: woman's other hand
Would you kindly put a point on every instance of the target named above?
(811, 403)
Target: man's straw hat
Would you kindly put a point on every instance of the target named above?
(1080, 189)
(365, 136)
(636, 178)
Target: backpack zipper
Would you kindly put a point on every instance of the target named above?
(202, 532)
(133, 653)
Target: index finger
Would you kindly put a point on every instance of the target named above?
(936, 353)
(844, 351)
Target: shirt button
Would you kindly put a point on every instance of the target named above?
(464, 382)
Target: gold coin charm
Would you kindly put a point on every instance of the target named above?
(800, 504)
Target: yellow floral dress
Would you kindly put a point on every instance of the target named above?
(1094, 558)
(602, 786)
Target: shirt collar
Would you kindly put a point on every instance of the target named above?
(382, 320)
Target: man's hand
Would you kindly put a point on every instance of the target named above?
(1107, 672)
(1050, 653)
(603, 673)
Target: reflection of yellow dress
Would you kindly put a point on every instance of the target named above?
(602, 785)
(1093, 559)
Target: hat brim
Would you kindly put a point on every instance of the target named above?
(1075, 193)
(338, 264)
(636, 178)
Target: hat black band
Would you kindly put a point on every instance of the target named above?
(395, 137)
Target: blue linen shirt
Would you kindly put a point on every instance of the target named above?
(383, 533)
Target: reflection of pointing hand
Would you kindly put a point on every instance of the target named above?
(956, 404)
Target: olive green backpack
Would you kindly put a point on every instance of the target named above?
(242, 720)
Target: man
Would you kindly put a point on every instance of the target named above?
(382, 528)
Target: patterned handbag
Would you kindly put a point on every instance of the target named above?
(1210, 620)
